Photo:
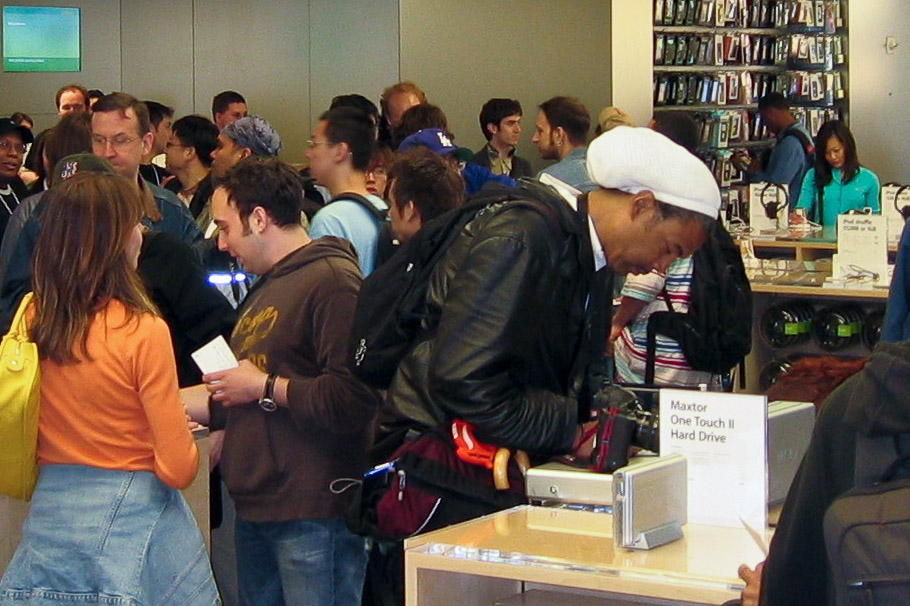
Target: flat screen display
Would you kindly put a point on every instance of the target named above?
(41, 39)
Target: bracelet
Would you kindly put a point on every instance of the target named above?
(267, 401)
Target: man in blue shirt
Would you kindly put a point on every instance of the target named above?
(561, 133)
(791, 155)
(339, 152)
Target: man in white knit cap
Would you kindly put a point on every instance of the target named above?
(513, 302)
(517, 302)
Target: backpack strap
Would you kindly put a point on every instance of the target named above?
(658, 324)
(380, 215)
(804, 140)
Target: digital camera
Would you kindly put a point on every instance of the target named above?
(623, 422)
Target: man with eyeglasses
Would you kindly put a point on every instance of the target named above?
(13, 142)
(188, 155)
(121, 134)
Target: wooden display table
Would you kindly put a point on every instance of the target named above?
(853, 294)
(801, 245)
(491, 558)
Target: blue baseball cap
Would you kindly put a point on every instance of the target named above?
(437, 141)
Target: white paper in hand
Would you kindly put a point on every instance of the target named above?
(215, 356)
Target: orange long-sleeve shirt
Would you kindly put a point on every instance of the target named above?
(121, 409)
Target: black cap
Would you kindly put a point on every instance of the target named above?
(8, 126)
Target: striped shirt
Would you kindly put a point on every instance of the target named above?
(631, 347)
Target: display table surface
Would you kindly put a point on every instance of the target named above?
(805, 246)
(493, 557)
(793, 290)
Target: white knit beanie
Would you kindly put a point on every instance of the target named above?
(633, 159)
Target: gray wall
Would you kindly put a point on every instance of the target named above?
(879, 85)
(101, 66)
(287, 57)
(462, 53)
(290, 57)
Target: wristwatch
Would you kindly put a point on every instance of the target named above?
(267, 401)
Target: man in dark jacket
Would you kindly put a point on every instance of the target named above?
(500, 122)
(504, 356)
(516, 293)
(871, 403)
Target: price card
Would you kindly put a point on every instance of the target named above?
(890, 207)
(862, 249)
(724, 439)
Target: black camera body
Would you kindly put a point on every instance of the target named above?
(623, 422)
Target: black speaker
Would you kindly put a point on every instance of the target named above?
(837, 327)
(872, 328)
(787, 324)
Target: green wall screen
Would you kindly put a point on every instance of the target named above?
(41, 39)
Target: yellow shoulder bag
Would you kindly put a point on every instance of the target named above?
(19, 396)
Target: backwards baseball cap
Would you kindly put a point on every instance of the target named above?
(79, 163)
(255, 133)
(438, 141)
(633, 159)
(8, 126)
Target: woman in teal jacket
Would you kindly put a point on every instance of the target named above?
(838, 183)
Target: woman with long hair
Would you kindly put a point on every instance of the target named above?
(838, 183)
(107, 522)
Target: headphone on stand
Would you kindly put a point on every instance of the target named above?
(772, 209)
(905, 210)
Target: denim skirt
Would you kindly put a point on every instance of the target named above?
(108, 537)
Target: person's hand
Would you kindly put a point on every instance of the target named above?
(196, 402)
(236, 386)
(797, 219)
(751, 594)
(584, 440)
(190, 423)
(744, 162)
(615, 331)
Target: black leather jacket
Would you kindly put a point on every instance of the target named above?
(509, 351)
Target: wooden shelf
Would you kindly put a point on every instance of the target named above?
(702, 107)
(771, 69)
(853, 294)
(708, 29)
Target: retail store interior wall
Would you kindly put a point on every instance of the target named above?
(880, 86)
(289, 57)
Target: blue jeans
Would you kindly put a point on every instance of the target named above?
(299, 562)
(107, 536)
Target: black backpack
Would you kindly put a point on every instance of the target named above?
(386, 245)
(392, 305)
(867, 529)
(716, 333)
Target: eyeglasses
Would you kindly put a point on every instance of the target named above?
(311, 144)
(6, 145)
(118, 142)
